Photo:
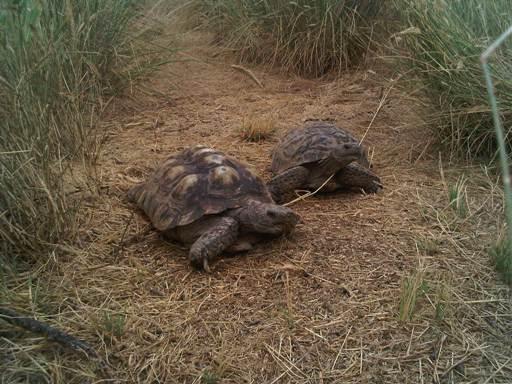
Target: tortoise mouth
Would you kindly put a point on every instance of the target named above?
(348, 153)
(288, 226)
(285, 225)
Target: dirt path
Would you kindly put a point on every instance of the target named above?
(319, 307)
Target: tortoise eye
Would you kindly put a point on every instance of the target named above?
(271, 214)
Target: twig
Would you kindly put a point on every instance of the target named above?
(497, 371)
(361, 358)
(456, 364)
(437, 355)
(248, 73)
(120, 247)
(50, 332)
(341, 348)
(381, 104)
(302, 197)
(135, 237)
(421, 373)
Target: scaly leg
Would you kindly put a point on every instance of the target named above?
(356, 176)
(213, 242)
(286, 182)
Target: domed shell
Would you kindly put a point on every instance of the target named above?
(308, 144)
(195, 182)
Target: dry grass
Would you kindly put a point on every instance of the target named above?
(297, 36)
(322, 306)
(412, 288)
(443, 44)
(255, 129)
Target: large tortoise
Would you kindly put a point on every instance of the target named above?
(204, 198)
(305, 158)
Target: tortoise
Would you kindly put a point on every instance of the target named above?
(307, 156)
(212, 202)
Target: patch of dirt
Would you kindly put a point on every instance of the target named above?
(321, 306)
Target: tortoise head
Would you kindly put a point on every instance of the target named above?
(348, 152)
(267, 218)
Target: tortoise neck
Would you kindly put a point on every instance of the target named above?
(247, 214)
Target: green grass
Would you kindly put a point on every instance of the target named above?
(59, 62)
(306, 37)
(413, 287)
(457, 196)
(114, 324)
(209, 377)
(501, 254)
(444, 41)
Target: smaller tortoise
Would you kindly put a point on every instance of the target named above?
(204, 198)
(305, 158)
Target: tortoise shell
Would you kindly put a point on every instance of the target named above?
(195, 182)
(309, 144)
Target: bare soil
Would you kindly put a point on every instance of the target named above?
(321, 306)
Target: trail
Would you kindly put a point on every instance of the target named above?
(320, 306)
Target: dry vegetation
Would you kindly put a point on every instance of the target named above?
(390, 288)
(257, 128)
(311, 38)
(396, 287)
(443, 44)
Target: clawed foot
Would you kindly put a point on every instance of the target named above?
(374, 187)
(199, 260)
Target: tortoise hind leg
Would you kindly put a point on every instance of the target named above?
(213, 242)
(286, 182)
(355, 176)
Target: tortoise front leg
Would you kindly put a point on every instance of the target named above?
(286, 182)
(355, 175)
(213, 242)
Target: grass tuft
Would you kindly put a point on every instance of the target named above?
(501, 254)
(114, 324)
(299, 36)
(257, 129)
(457, 196)
(413, 287)
(443, 41)
(209, 377)
(60, 62)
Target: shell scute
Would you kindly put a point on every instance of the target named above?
(195, 182)
(309, 144)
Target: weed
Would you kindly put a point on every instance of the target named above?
(114, 323)
(209, 377)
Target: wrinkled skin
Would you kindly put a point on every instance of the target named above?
(234, 230)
